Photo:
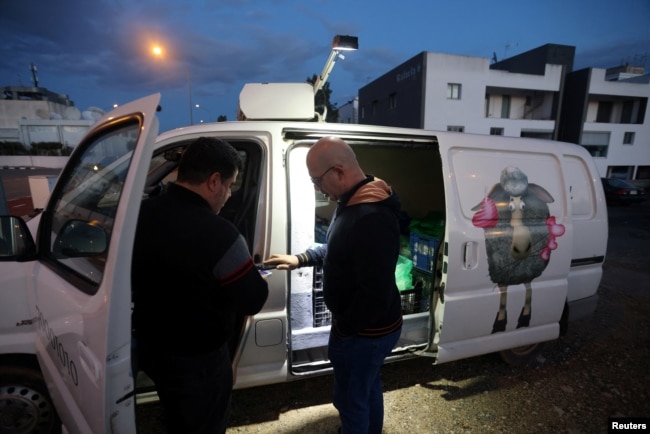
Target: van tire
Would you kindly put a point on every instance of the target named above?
(522, 355)
(25, 404)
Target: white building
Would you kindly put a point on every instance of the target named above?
(349, 112)
(534, 94)
(34, 115)
(606, 112)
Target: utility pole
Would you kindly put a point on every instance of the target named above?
(35, 77)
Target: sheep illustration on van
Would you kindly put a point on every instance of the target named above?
(520, 234)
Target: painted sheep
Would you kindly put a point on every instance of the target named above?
(519, 237)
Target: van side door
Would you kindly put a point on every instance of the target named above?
(507, 249)
(80, 286)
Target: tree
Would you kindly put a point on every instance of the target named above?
(322, 101)
(222, 118)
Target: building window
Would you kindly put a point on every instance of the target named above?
(496, 131)
(505, 107)
(620, 172)
(628, 138)
(626, 113)
(453, 90)
(392, 101)
(456, 128)
(363, 112)
(596, 143)
(643, 172)
(374, 108)
(604, 114)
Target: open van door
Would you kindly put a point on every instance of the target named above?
(507, 249)
(80, 286)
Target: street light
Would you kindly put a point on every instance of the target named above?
(209, 114)
(158, 52)
(340, 43)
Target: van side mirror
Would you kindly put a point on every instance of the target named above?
(80, 239)
(16, 242)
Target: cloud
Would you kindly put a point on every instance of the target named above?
(614, 53)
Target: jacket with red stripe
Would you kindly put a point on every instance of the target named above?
(192, 274)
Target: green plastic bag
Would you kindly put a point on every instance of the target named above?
(403, 276)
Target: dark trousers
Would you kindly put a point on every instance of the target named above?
(194, 391)
(358, 392)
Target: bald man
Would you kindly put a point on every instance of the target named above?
(359, 288)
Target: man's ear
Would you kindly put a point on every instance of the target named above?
(214, 181)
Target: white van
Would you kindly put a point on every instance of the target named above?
(503, 242)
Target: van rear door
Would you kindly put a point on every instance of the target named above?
(507, 247)
(80, 286)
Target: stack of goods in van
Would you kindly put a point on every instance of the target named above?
(424, 239)
(320, 230)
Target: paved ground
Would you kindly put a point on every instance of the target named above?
(599, 370)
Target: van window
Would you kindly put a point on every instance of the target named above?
(581, 193)
(79, 225)
(242, 207)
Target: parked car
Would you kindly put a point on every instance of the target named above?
(619, 191)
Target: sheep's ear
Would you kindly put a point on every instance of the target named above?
(541, 193)
(495, 190)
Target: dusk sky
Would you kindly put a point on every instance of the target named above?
(98, 52)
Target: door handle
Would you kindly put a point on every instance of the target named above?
(470, 255)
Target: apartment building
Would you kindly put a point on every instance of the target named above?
(606, 112)
(534, 94)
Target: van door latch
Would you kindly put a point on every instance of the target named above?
(26, 322)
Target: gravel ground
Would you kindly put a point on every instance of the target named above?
(599, 369)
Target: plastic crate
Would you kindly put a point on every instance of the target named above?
(410, 301)
(322, 315)
(423, 282)
(423, 251)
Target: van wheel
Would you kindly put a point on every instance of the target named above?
(25, 405)
(522, 355)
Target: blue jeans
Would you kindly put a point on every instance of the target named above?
(358, 394)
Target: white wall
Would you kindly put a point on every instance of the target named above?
(475, 76)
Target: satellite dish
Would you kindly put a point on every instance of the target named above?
(72, 113)
(89, 115)
(96, 110)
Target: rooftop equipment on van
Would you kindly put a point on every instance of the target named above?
(290, 101)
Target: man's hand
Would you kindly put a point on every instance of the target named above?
(282, 262)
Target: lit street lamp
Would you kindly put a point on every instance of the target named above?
(339, 44)
(208, 111)
(157, 51)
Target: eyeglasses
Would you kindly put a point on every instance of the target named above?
(317, 180)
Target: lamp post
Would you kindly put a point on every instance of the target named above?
(340, 43)
(189, 94)
(157, 51)
(208, 111)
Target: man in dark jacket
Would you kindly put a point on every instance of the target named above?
(358, 261)
(192, 275)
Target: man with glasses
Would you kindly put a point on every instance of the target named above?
(359, 288)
